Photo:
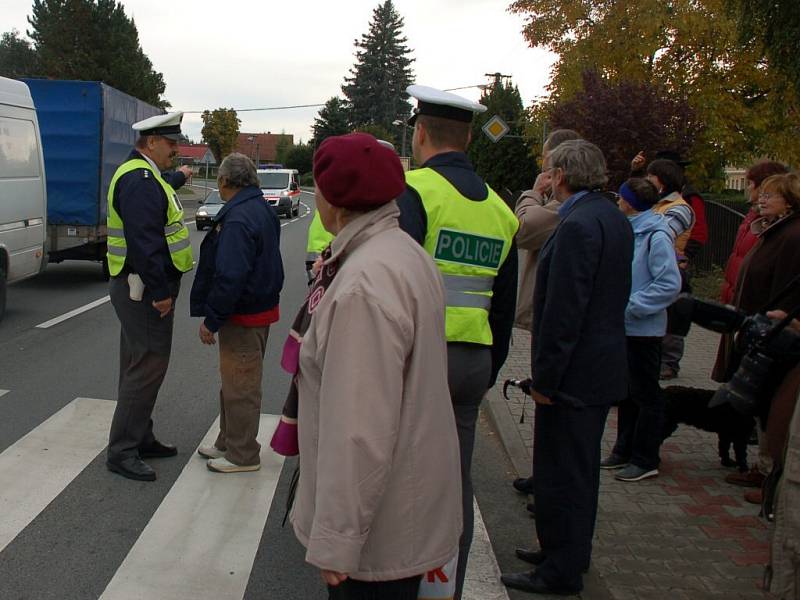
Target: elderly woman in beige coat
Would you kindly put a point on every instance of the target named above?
(378, 498)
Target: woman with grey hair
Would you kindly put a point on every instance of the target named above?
(237, 287)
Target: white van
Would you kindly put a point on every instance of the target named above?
(23, 194)
(281, 189)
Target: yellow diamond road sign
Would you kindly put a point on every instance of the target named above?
(495, 128)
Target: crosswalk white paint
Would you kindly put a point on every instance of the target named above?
(201, 542)
(41, 464)
(202, 539)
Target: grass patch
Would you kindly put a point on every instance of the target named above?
(708, 283)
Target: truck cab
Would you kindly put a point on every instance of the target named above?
(23, 193)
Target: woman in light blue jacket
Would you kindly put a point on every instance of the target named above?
(655, 284)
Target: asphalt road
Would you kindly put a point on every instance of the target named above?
(73, 545)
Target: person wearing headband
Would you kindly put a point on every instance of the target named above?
(655, 283)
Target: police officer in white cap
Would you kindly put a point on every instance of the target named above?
(148, 251)
(468, 230)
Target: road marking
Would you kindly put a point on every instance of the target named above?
(73, 313)
(482, 580)
(3, 392)
(203, 538)
(41, 464)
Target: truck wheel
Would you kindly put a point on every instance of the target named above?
(106, 272)
(2, 292)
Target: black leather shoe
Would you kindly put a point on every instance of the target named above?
(157, 450)
(530, 582)
(534, 557)
(132, 468)
(524, 485)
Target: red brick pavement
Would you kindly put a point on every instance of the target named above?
(684, 534)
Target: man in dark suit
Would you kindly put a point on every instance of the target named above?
(579, 365)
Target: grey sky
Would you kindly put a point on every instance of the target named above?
(252, 54)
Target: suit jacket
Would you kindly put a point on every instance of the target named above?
(582, 287)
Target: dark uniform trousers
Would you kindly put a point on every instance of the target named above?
(566, 460)
(469, 367)
(144, 349)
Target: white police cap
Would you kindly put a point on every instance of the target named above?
(167, 125)
(446, 105)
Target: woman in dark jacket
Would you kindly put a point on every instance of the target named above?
(745, 238)
(764, 283)
(237, 286)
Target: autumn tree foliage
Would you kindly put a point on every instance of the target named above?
(689, 48)
(220, 131)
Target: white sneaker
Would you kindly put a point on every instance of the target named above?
(210, 452)
(223, 465)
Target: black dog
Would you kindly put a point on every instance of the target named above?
(690, 406)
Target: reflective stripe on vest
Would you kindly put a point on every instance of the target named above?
(469, 241)
(175, 232)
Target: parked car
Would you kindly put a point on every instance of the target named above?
(208, 209)
(23, 196)
(281, 189)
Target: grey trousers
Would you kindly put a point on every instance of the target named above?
(241, 361)
(144, 348)
(469, 367)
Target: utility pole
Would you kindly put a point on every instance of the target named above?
(498, 77)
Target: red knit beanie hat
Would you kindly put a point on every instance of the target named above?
(355, 171)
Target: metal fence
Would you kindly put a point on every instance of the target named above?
(723, 220)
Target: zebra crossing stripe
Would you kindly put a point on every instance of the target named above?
(41, 464)
(203, 538)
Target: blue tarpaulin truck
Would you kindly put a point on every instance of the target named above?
(86, 134)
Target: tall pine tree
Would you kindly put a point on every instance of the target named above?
(375, 91)
(17, 57)
(507, 163)
(331, 120)
(93, 40)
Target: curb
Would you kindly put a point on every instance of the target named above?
(505, 425)
(496, 409)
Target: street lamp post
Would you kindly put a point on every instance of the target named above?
(404, 125)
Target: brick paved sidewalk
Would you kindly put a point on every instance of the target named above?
(683, 535)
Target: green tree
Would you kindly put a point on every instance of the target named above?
(331, 120)
(376, 88)
(693, 50)
(506, 164)
(282, 148)
(776, 25)
(378, 131)
(17, 56)
(220, 131)
(300, 157)
(93, 40)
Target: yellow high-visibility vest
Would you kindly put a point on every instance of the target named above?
(469, 241)
(175, 232)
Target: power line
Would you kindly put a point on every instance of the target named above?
(238, 110)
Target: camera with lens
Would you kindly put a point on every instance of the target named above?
(766, 350)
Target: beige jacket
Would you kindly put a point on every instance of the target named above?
(538, 218)
(379, 495)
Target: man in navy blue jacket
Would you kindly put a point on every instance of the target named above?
(579, 365)
(237, 288)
